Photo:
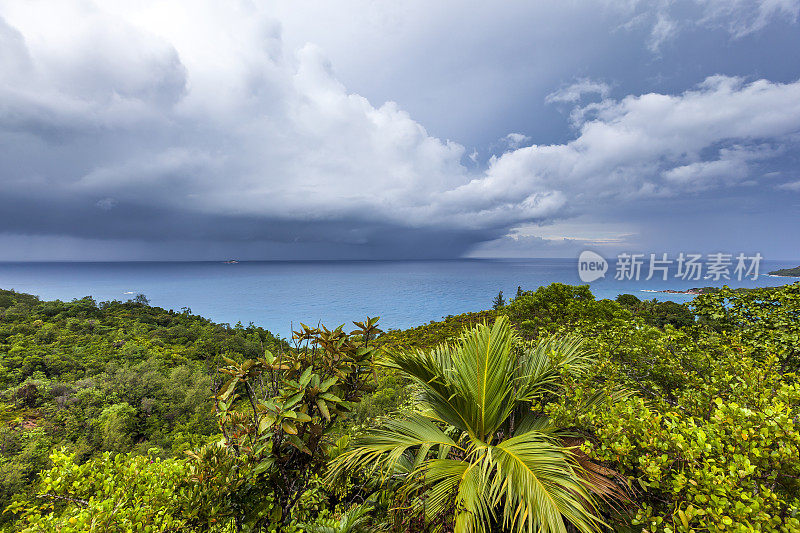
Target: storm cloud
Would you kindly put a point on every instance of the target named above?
(202, 129)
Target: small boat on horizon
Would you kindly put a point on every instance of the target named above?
(231, 262)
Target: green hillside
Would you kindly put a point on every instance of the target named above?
(552, 410)
(790, 272)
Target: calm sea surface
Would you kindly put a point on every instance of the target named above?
(275, 294)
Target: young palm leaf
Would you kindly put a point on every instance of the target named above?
(478, 450)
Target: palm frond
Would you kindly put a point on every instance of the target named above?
(458, 487)
(474, 449)
(484, 369)
(432, 371)
(540, 486)
(355, 520)
(469, 384)
(540, 364)
(383, 448)
(531, 421)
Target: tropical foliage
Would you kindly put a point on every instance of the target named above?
(554, 412)
(110, 494)
(791, 272)
(114, 377)
(289, 403)
(479, 449)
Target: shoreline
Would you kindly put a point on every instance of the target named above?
(693, 291)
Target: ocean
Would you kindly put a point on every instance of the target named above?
(279, 294)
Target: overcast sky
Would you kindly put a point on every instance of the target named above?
(414, 129)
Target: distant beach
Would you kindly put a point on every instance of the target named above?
(693, 292)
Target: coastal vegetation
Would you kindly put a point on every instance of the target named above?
(554, 411)
(790, 272)
(480, 435)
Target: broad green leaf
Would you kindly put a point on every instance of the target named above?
(305, 378)
(323, 409)
(330, 397)
(293, 400)
(328, 383)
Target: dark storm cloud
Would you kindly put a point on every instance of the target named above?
(337, 238)
(125, 126)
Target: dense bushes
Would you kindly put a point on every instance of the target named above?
(110, 493)
(429, 335)
(710, 440)
(701, 432)
(113, 376)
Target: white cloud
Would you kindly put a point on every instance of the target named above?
(666, 18)
(515, 140)
(664, 29)
(743, 17)
(220, 119)
(524, 246)
(790, 186)
(732, 166)
(106, 204)
(582, 228)
(650, 145)
(574, 92)
(217, 116)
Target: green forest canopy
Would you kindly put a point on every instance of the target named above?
(115, 416)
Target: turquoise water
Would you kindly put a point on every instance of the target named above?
(276, 294)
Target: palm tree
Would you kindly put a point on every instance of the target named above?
(356, 520)
(480, 446)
